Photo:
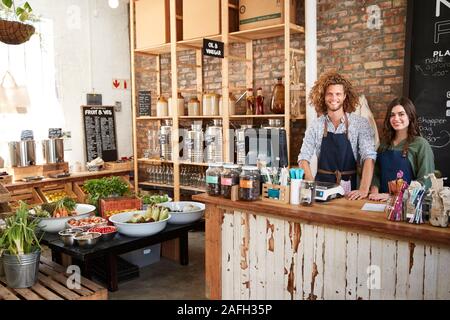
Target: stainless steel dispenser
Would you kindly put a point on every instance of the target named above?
(194, 143)
(213, 141)
(53, 150)
(22, 153)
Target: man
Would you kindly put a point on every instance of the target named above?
(338, 137)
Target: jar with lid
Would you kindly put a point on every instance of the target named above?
(213, 179)
(259, 103)
(179, 105)
(249, 183)
(194, 107)
(277, 101)
(250, 102)
(210, 104)
(162, 107)
(229, 178)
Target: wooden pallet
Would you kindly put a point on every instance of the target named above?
(52, 285)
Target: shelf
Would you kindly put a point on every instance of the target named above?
(152, 184)
(152, 118)
(154, 161)
(154, 50)
(300, 117)
(262, 116)
(192, 189)
(199, 164)
(200, 117)
(264, 32)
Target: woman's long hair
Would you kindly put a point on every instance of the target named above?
(413, 128)
(317, 94)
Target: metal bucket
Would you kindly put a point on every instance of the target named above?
(22, 271)
(53, 150)
(22, 153)
(2, 271)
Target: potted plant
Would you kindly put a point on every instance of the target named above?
(21, 249)
(14, 22)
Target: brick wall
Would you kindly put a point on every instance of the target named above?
(371, 58)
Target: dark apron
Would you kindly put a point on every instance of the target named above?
(390, 162)
(336, 159)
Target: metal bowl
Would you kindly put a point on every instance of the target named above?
(67, 235)
(87, 239)
(108, 236)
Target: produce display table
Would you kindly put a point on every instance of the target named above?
(119, 245)
(52, 285)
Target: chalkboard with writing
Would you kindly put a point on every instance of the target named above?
(427, 74)
(100, 132)
(145, 101)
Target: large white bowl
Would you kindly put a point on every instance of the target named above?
(136, 229)
(54, 225)
(183, 217)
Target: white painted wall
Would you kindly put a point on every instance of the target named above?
(91, 43)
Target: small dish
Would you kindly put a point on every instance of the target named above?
(87, 239)
(67, 236)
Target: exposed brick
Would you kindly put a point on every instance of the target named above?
(394, 63)
(373, 65)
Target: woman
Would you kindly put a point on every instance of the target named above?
(402, 148)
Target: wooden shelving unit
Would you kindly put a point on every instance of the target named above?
(245, 37)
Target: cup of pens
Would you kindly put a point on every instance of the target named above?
(296, 175)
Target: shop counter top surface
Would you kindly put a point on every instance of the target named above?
(339, 213)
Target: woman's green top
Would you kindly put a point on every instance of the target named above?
(420, 155)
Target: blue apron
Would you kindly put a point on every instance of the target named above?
(390, 162)
(336, 159)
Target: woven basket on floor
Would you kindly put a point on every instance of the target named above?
(14, 32)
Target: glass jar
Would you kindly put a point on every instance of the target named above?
(249, 184)
(210, 104)
(194, 107)
(213, 179)
(229, 178)
(179, 105)
(250, 102)
(259, 104)
(277, 101)
(307, 192)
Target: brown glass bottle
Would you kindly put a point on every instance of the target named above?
(250, 102)
(259, 108)
(277, 101)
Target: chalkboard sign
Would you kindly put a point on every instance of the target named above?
(213, 48)
(427, 74)
(100, 132)
(145, 102)
(54, 133)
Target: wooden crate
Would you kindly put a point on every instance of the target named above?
(5, 196)
(54, 168)
(21, 172)
(29, 195)
(275, 193)
(79, 191)
(111, 206)
(52, 189)
(52, 285)
(7, 179)
(114, 165)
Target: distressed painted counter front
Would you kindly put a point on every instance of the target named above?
(256, 250)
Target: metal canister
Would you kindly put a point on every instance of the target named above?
(213, 141)
(22, 153)
(165, 140)
(240, 143)
(194, 143)
(53, 150)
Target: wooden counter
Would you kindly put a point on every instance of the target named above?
(76, 176)
(333, 250)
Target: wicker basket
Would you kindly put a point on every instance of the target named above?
(14, 32)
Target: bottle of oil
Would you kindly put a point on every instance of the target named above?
(259, 102)
(250, 102)
(277, 101)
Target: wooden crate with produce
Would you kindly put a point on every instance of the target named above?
(112, 206)
(80, 191)
(28, 195)
(107, 187)
(55, 192)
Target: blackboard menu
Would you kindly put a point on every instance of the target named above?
(427, 74)
(145, 100)
(100, 132)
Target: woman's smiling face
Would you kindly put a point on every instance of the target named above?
(399, 119)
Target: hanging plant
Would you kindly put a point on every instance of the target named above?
(14, 26)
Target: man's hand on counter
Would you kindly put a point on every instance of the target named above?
(357, 195)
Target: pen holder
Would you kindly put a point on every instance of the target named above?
(295, 191)
(275, 193)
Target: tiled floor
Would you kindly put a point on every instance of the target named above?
(169, 280)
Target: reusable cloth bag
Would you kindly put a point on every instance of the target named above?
(13, 98)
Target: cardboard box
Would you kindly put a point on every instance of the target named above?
(153, 22)
(201, 18)
(255, 14)
(143, 257)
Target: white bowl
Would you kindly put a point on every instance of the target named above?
(136, 229)
(54, 225)
(183, 217)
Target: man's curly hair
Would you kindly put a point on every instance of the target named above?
(317, 94)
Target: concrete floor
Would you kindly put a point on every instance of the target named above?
(167, 279)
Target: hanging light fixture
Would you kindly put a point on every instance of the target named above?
(113, 3)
